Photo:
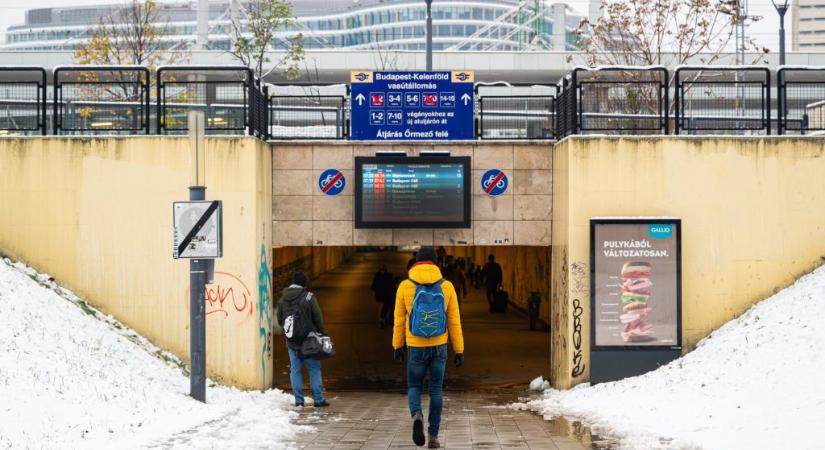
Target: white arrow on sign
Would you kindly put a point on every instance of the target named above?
(360, 98)
(466, 98)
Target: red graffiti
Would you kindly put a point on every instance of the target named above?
(227, 295)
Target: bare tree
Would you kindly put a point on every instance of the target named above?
(254, 36)
(661, 32)
(654, 32)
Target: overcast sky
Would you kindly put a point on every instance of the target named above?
(12, 12)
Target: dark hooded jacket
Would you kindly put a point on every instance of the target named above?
(309, 308)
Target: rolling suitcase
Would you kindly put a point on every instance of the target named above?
(500, 301)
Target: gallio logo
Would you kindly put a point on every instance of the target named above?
(660, 231)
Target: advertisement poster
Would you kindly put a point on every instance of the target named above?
(636, 281)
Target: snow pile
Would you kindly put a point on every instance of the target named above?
(753, 384)
(71, 377)
(539, 384)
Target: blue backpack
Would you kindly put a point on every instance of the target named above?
(428, 317)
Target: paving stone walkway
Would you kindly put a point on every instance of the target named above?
(371, 420)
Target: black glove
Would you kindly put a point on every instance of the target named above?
(459, 360)
(398, 355)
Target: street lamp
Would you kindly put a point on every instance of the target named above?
(781, 7)
(429, 35)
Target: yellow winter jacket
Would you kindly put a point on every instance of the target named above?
(426, 273)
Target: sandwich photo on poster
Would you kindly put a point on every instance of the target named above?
(635, 283)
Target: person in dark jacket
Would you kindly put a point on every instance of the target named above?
(452, 273)
(383, 286)
(297, 296)
(492, 279)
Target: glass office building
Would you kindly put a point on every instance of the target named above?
(483, 25)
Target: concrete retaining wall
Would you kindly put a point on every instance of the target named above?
(96, 214)
(752, 222)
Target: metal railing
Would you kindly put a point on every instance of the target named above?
(307, 117)
(800, 100)
(95, 99)
(606, 100)
(222, 93)
(23, 100)
(619, 100)
(726, 100)
(515, 111)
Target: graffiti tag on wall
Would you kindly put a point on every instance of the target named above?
(578, 365)
(227, 296)
(264, 313)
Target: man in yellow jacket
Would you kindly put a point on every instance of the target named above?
(426, 353)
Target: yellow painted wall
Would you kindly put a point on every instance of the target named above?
(752, 222)
(96, 214)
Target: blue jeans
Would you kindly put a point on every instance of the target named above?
(419, 360)
(296, 378)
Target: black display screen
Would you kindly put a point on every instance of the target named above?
(412, 192)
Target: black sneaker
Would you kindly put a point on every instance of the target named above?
(299, 404)
(418, 429)
(321, 404)
(432, 442)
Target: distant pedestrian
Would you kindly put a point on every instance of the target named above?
(384, 288)
(298, 315)
(452, 272)
(493, 278)
(426, 317)
(441, 253)
(411, 261)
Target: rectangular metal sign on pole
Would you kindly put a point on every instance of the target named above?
(409, 106)
(198, 230)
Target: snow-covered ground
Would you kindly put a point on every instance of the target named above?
(756, 383)
(71, 377)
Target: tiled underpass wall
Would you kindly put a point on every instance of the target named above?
(303, 215)
(314, 261)
(526, 269)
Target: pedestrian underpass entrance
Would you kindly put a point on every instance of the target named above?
(501, 349)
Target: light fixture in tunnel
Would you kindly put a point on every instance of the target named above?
(391, 153)
(434, 153)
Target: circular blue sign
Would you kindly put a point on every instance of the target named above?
(494, 182)
(332, 182)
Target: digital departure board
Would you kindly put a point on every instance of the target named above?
(412, 192)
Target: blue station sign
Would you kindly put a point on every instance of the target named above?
(409, 106)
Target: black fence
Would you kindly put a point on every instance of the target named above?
(723, 100)
(307, 117)
(619, 100)
(222, 93)
(23, 100)
(258, 115)
(565, 108)
(608, 100)
(515, 111)
(101, 99)
(800, 100)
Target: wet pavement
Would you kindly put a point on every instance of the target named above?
(374, 420)
(367, 389)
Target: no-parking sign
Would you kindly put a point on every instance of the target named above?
(332, 182)
(494, 182)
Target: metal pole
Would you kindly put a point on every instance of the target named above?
(197, 267)
(197, 317)
(429, 35)
(781, 12)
